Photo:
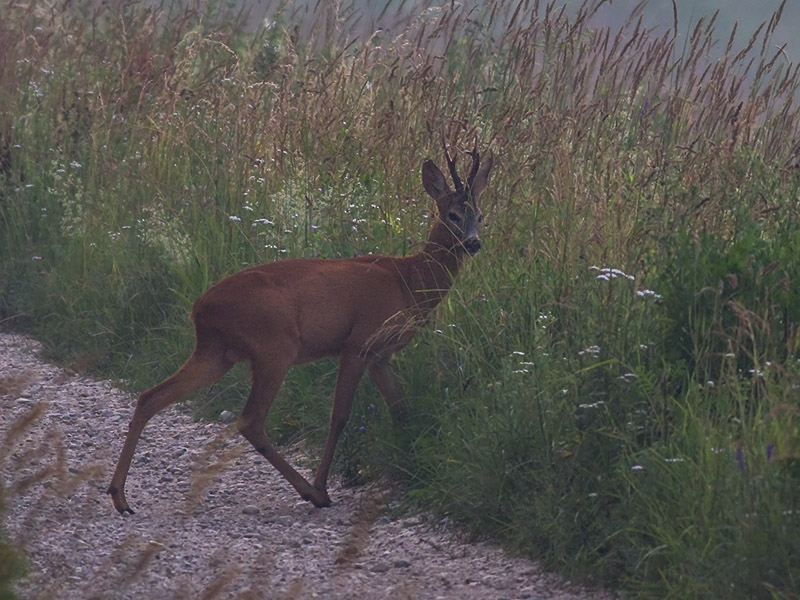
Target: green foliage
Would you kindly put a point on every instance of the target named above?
(611, 386)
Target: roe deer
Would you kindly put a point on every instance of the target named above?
(290, 312)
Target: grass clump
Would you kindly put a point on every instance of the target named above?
(11, 564)
(612, 385)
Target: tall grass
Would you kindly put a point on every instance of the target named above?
(613, 384)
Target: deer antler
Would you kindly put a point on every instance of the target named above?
(476, 161)
(451, 164)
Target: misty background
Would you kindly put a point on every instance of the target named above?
(749, 14)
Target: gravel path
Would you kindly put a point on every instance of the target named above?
(213, 519)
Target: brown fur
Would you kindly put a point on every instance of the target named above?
(290, 312)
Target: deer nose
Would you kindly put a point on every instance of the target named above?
(472, 244)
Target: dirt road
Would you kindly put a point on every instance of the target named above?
(213, 519)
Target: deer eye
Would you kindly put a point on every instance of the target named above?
(480, 218)
(454, 217)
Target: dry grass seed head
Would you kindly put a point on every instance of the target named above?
(19, 427)
(372, 504)
(146, 556)
(219, 583)
(295, 589)
(207, 466)
(13, 385)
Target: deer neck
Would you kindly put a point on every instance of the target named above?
(432, 270)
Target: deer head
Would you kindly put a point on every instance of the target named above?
(458, 208)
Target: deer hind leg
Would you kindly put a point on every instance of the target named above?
(351, 368)
(267, 379)
(207, 364)
(386, 382)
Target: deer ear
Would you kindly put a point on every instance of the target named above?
(433, 180)
(481, 179)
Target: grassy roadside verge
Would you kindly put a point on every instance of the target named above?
(613, 385)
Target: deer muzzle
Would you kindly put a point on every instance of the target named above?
(472, 244)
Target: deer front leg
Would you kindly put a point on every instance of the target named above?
(386, 382)
(351, 368)
(267, 379)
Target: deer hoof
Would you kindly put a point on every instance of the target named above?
(324, 503)
(119, 501)
(318, 498)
